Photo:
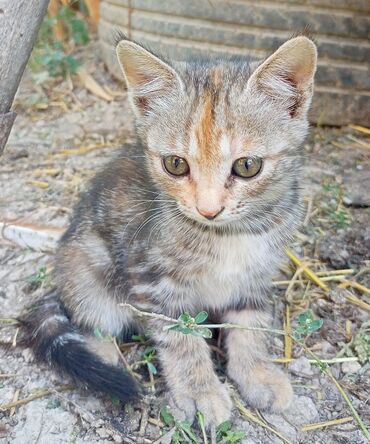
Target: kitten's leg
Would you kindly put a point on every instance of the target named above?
(190, 376)
(261, 383)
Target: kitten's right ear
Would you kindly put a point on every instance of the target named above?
(287, 76)
(148, 78)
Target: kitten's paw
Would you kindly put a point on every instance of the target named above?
(266, 387)
(215, 404)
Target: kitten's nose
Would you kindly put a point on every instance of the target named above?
(210, 214)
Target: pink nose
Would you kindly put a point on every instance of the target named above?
(210, 214)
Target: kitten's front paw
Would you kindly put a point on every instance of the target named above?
(266, 387)
(215, 404)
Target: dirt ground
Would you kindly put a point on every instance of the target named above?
(62, 135)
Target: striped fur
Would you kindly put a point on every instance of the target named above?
(138, 236)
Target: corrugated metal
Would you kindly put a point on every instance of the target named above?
(183, 29)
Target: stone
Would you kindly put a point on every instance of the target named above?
(350, 367)
(356, 189)
(301, 367)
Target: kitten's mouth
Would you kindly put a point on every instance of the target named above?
(217, 222)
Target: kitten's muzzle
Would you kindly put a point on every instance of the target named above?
(210, 214)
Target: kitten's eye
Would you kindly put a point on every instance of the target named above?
(247, 167)
(175, 165)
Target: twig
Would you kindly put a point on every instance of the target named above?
(156, 422)
(356, 301)
(307, 271)
(15, 399)
(144, 420)
(249, 415)
(40, 394)
(8, 321)
(360, 128)
(175, 321)
(355, 285)
(314, 361)
(320, 425)
(124, 360)
(359, 141)
(308, 213)
(288, 330)
(335, 272)
(334, 278)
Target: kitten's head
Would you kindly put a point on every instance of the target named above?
(223, 138)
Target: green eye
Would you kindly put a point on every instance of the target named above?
(175, 165)
(247, 167)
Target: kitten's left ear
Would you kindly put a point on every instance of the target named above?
(286, 77)
(148, 78)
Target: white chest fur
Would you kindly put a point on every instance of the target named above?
(214, 274)
(237, 263)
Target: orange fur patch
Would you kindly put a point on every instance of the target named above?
(207, 135)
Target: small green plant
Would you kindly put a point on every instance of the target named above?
(332, 188)
(138, 338)
(306, 325)
(341, 218)
(50, 57)
(148, 358)
(332, 207)
(225, 434)
(359, 345)
(184, 434)
(189, 325)
(38, 279)
(99, 335)
(53, 404)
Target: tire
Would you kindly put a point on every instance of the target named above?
(183, 29)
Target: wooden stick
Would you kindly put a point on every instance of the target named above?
(307, 271)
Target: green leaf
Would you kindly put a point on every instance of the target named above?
(53, 404)
(234, 437)
(201, 317)
(186, 427)
(138, 338)
(201, 422)
(203, 332)
(167, 416)
(149, 353)
(226, 435)
(185, 330)
(186, 318)
(316, 325)
(79, 32)
(152, 368)
(223, 428)
(305, 318)
(98, 334)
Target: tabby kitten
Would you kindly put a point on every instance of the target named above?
(193, 217)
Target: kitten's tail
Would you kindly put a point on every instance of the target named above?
(47, 330)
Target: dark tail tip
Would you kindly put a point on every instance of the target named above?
(47, 330)
(72, 357)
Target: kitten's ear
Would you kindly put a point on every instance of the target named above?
(287, 75)
(148, 78)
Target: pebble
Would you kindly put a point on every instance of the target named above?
(301, 367)
(350, 367)
(103, 433)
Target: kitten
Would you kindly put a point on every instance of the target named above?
(194, 217)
